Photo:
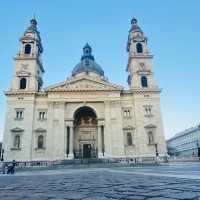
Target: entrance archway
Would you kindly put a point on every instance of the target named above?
(85, 133)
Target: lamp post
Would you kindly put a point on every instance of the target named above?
(198, 149)
(2, 152)
(156, 147)
(157, 154)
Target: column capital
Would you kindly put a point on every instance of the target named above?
(69, 122)
(101, 122)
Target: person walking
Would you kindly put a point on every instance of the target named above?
(13, 167)
(4, 167)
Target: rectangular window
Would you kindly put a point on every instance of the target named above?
(129, 139)
(19, 114)
(16, 145)
(42, 115)
(150, 137)
(148, 110)
(127, 112)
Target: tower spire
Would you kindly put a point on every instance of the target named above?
(29, 67)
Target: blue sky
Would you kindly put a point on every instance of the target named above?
(173, 32)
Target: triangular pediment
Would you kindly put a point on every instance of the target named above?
(84, 83)
(17, 129)
(150, 126)
(40, 130)
(128, 128)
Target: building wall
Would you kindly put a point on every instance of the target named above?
(25, 124)
(1, 150)
(186, 143)
(61, 107)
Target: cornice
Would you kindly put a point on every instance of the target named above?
(141, 56)
(154, 90)
(82, 90)
(24, 93)
(138, 90)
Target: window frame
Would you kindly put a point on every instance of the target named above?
(127, 112)
(144, 81)
(21, 84)
(42, 115)
(129, 138)
(39, 132)
(19, 113)
(27, 49)
(17, 141)
(151, 129)
(139, 47)
(148, 110)
(40, 144)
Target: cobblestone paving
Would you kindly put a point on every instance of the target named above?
(96, 184)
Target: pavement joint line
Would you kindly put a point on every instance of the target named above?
(194, 177)
(90, 170)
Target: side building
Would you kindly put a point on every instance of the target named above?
(1, 151)
(185, 143)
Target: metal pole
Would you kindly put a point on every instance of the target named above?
(2, 159)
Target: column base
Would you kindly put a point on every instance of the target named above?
(100, 155)
(70, 156)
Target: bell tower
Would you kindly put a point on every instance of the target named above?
(29, 70)
(139, 68)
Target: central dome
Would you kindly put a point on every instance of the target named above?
(87, 63)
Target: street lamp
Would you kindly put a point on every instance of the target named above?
(157, 154)
(198, 149)
(156, 147)
(2, 152)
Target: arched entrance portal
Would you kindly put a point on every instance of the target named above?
(85, 133)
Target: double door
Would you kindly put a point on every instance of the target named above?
(87, 150)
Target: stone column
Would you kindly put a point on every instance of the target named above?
(100, 153)
(71, 143)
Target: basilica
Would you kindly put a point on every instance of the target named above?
(85, 116)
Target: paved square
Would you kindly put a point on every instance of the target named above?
(156, 183)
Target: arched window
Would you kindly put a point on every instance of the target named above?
(40, 142)
(139, 48)
(27, 49)
(22, 83)
(144, 82)
(150, 137)
(129, 139)
(17, 142)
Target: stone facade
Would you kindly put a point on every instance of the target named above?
(85, 116)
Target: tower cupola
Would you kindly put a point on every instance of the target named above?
(30, 43)
(137, 42)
